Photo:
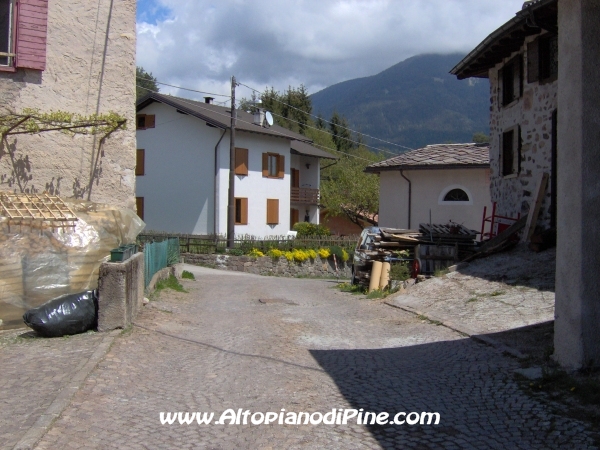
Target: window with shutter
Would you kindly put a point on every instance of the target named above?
(23, 30)
(139, 206)
(140, 162)
(273, 165)
(510, 80)
(241, 161)
(144, 121)
(241, 211)
(272, 211)
(548, 58)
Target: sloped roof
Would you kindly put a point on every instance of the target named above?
(535, 16)
(438, 156)
(302, 148)
(219, 116)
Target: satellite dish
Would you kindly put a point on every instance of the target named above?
(269, 118)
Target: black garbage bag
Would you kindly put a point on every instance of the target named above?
(65, 315)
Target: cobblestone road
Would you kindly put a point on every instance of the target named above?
(305, 347)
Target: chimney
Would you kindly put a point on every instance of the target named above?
(208, 100)
(259, 117)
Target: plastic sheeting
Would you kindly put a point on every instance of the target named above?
(39, 263)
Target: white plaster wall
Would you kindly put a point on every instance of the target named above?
(427, 186)
(533, 112)
(255, 187)
(178, 185)
(90, 67)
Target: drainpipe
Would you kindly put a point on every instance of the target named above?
(215, 183)
(409, 196)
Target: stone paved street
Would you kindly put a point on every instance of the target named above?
(305, 347)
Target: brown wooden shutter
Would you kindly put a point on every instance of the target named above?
(241, 214)
(150, 120)
(294, 217)
(280, 166)
(139, 206)
(500, 88)
(295, 178)
(241, 161)
(518, 146)
(517, 77)
(244, 211)
(265, 164)
(533, 61)
(272, 211)
(140, 162)
(31, 34)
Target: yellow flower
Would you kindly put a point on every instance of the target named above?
(324, 253)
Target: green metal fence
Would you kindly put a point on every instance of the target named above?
(158, 255)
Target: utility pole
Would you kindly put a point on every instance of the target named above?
(231, 198)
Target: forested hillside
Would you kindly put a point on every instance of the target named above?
(413, 103)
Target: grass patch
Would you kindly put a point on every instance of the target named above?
(352, 288)
(188, 275)
(376, 293)
(497, 293)
(441, 272)
(472, 299)
(169, 283)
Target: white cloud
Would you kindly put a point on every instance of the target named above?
(201, 43)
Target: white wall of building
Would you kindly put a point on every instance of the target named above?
(178, 185)
(255, 187)
(428, 187)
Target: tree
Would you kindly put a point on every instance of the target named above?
(342, 137)
(481, 138)
(346, 190)
(144, 83)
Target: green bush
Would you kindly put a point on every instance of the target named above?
(306, 229)
(339, 252)
(399, 272)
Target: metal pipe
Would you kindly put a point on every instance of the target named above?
(409, 196)
(215, 196)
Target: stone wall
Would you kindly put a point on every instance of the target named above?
(272, 266)
(90, 68)
(533, 113)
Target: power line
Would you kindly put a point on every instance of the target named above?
(199, 105)
(345, 128)
(182, 88)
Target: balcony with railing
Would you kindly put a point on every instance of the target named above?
(305, 195)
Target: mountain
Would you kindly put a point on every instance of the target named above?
(413, 103)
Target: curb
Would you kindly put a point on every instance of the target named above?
(63, 399)
(465, 331)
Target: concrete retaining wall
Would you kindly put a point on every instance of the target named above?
(272, 266)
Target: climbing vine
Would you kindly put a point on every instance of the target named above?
(33, 121)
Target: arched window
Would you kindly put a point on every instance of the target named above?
(456, 195)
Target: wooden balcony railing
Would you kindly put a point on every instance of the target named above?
(305, 195)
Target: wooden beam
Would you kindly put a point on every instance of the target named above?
(534, 211)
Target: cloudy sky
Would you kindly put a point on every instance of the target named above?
(200, 44)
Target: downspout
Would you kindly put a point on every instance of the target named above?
(409, 196)
(215, 183)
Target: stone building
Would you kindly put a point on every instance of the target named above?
(521, 61)
(75, 56)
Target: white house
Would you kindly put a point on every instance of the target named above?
(441, 183)
(183, 170)
(521, 61)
